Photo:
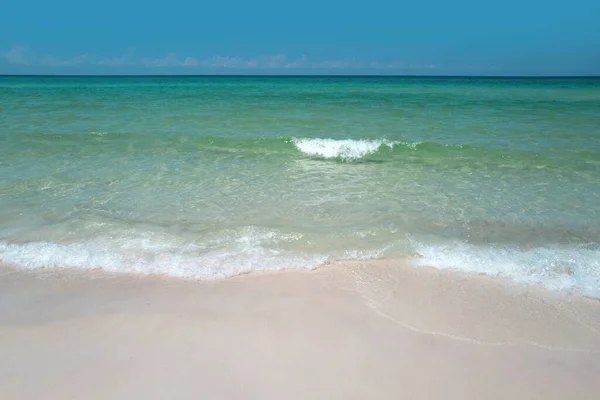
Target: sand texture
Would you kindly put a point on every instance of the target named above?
(355, 330)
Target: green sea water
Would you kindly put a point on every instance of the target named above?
(209, 177)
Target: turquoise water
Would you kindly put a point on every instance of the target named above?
(209, 177)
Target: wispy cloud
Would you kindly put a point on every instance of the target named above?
(170, 60)
(54, 62)
(225, 62)
(127, 59)
(190, 62)
(276, 61)
(18, 54)
(21, 55)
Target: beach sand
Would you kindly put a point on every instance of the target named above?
(353, 330)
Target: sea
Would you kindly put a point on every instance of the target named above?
(208, 177)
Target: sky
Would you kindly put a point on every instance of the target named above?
(427, 37)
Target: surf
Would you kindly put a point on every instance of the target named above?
(344, 149)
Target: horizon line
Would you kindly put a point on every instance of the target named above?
(293, 76)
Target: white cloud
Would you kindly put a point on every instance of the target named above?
(301, 62)
(281, 61)
(21, 55)
(252, 63)
(191, 62)
(276, 61)
(54, 62)
(127, 59)
(225, 62)
(392, 65)
(18, 54)
(170, 60)
(422, 66)
(337, 64)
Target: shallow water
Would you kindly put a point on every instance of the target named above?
(208, 177)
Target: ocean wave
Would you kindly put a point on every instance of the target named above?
(570, 270)
(346, 149)
(229, 254)
(248, 250)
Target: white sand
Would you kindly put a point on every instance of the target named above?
(360, 330)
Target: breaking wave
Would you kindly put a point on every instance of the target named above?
(570, 270)
(230, 253)
(346, 149)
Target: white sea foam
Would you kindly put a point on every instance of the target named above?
(231, 253)
(250, 249)
(575, 270)
(346, 149)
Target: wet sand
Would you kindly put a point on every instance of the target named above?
(354, 330)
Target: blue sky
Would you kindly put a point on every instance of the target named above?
(302, 37)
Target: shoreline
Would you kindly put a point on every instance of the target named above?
(361, 329)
